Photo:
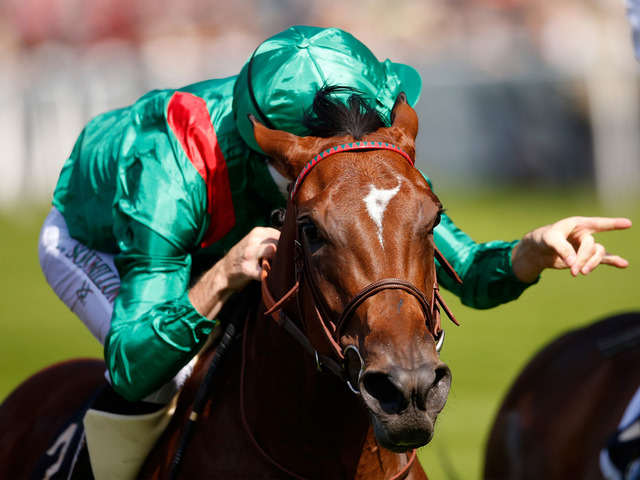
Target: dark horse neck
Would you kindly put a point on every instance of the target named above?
(307, 422)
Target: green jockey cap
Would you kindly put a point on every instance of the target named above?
(279, 82)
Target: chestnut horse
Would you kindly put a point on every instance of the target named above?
(568, 401)
(337, 372)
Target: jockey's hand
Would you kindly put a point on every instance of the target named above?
(568, 243)
(234, 271)
(242, 263)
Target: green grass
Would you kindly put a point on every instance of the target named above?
(485, 353)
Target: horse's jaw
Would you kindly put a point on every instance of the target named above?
(414, 434)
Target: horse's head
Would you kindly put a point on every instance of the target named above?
(361, 221)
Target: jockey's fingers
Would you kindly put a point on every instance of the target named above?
(558, 243)
(591, 224)
(266, 250)
(595, 260)
(604, 224)
(244, 258)
(261, 242)
(614, 261)
(586, 250)
(263, 234)
(252, 266)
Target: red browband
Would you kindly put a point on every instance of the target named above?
(345, 148)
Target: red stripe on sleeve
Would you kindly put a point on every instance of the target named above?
(189, 119)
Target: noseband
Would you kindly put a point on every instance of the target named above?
(341, 361)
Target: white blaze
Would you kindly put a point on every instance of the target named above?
(376, 202)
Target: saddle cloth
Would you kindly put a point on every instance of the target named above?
(628, 433)
(61, 457)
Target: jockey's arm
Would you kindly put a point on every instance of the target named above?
(487, 276)
(158, 323)
(497, 272)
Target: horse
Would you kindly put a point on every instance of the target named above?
(335, 371)
(569, 399)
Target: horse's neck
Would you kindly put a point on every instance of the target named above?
(296, 408)
(307, 420)
(282, 374)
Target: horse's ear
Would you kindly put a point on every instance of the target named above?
(404, 124)
(404, 117)
(289, 153)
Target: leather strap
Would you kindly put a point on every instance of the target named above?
(402, 474)
(275, 310)
(378, 286)
(446, 266)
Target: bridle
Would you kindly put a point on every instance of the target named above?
(341, 361)
(346, 363)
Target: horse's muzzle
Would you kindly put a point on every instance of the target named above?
(405, 403)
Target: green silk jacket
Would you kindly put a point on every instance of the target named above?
(169, 186)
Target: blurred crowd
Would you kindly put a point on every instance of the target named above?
(525, 91)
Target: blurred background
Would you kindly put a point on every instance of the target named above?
(530, 112)
(522, 91)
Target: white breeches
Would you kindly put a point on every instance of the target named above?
(87, 281)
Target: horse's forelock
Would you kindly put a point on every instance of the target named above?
(333, 116)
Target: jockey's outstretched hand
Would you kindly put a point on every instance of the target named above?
(568, 243)
(234, 271)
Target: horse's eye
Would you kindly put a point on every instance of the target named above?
(312, 237)
(310, 232)
(438, 218)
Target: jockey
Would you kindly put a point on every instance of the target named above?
(162, 210)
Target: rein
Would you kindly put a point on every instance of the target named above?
(338, 363)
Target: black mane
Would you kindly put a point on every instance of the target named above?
(330, 116)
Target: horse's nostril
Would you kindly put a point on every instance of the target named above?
(397, 390)
(380, 387)
(442, 373)
(437, 394)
